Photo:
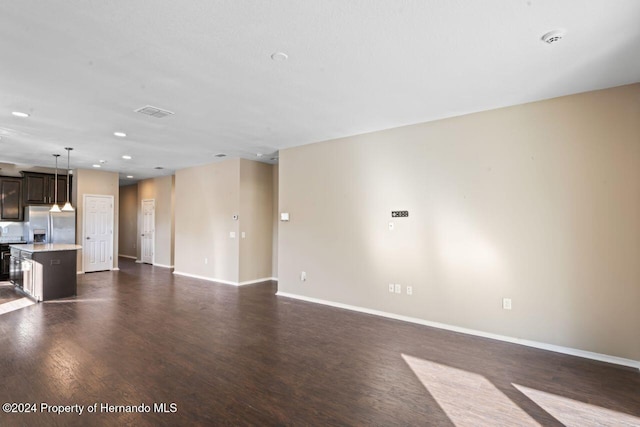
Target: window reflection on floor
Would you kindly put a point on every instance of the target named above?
(571, 412)
(467, 398)
(470, 399)
(16, 304)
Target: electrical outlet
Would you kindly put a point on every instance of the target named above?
(391, 226)
(506, 303)
(303, 276)
(409, 290)
(206, 260)
(243, 234)
(232, 234)
(398, 288)
(391, 288)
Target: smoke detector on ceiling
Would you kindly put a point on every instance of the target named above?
(553, 36)
(154, 111)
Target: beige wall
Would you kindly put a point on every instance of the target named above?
(275, 218)
(539, 203)
(92, 182)
(128, 220)
(161, 190)
(206, 198)
(256, 220)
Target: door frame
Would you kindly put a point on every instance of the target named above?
(153, 237)
(84, 226)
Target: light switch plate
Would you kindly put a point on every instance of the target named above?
(232, 234)
(243, 234)
(506, 303)
(398, 288)
(284, 216)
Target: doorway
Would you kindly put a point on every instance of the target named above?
(97, 233)
(148, 231)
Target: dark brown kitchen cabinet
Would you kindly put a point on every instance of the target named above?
(39, 188)
(11, 199)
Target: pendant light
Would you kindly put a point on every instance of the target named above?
(55, 207)
(67, 206)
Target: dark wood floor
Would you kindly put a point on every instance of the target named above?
(242, 356)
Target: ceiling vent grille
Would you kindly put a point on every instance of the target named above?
(154, 111)
(220, 155)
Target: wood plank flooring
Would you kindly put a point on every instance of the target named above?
(242, 356)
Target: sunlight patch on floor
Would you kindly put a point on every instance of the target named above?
(16, 304)
(573, 413)
(468, 399)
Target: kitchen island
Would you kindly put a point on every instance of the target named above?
(48, 270)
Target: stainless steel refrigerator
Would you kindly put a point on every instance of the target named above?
(49, 227)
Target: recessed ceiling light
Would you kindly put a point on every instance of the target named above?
(259, 154)
(103, 161)
(129, 176)
(97, 166)
(126, 157)
(19, 114)
(279, 56)
(120, 134)
(275, 159)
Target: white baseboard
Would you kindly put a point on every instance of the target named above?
(543, 346)
(139, 262)
(251, 282)
(209, 279)
(224, 282)
(162, 265)
(115, 269)
(80, 272)
(127, 256)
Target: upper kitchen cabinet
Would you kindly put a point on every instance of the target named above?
(11, 199)
(39, 188)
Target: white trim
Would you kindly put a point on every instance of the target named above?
(163, 266)
(79, 272)
(127, 256)
(543, 346)
(139, 262)
(115, 269)
(224, 282)
(210, 279)
(251, 282)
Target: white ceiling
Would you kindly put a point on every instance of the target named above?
(80, 68)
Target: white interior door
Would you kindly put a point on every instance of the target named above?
(148, 230)
(97, 233)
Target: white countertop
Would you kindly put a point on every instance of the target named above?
(46, 247)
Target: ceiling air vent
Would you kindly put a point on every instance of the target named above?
(220, 155)
(154, 111)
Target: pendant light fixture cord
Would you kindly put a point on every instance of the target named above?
(67, 206)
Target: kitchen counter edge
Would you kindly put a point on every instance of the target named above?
(45, 247)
